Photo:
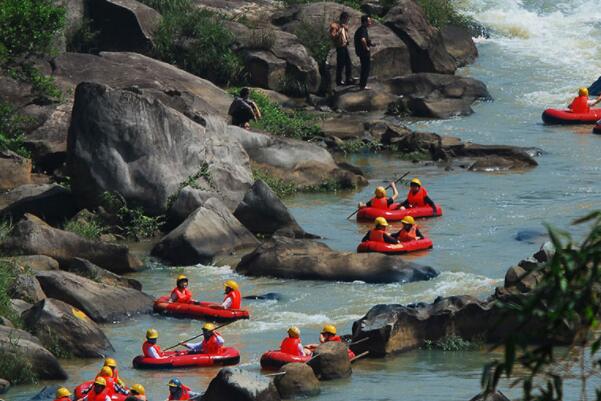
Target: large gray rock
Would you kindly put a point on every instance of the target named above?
(209, 231)
(121, 141)
(26, 288)
(34, 262)
(311, 260)
(188, 199)
(333, 361)
(14, 170)
(32, 236)
(51, 202)
(87, 269)
(298, 381)
(428, 53)
(353, 99)
(103, 303)
(262, 212)
(24, 347)
(459, 44)
(235, 384)
(62, 326)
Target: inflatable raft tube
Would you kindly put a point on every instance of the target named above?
(404, 247)
(202, 310)
(83, 388)
(555, 116)
(175, 359)
(394, 214)
(274, 360)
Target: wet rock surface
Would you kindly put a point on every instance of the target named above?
(239, 385)
(299, 381)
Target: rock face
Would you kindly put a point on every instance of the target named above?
(425, 43)
(34, 262)
(85, 268)
(51, 202)
(262, 212)
(459, 44)
(209, 231)
(132, 144)
(101, 302)
(238, 385)
(14, 170)
(299, 381)
(26, 288)
(352, 99)
(32, 236)
(333, 361)
(26, 348)
(57, 324)
(310, 260)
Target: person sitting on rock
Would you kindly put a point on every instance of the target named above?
(380, 201)
(417, 197)
(243, 110)
(181, 294)
(112, 363)
(98, 392)
(150, 349)
(233, 298)
(62, 394)
(212, 342)
(293, 344)
(409, 232)
(379, 234)
(137, 391)
(178, 391)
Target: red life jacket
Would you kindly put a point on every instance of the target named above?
(102, 396)
(236, 298)
(406, 236)
(335, 339)
(146, 349)
(211, 345)
(184, 396)
(418, 199)
(290, 346)
(379, 203)
(377, 235)
(181, 296)
(580, 105)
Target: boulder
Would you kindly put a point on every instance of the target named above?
(125, 142)
(124, 25)
(26, 349)
(311, 260)
(428, 53)
(186, 201)
(6, 322)
(26, 288)
(87, 269)
(298, 381)
(235, 384)
(262, 212)
(36, 263)
(4, 386)
(19, 306)
(333, 361)
(102, 303)
(14, 170)
(496, 396)
(66, 328)
(51, 202)
(459, 44)
(353, 99)
(209, 231)
(32, 236)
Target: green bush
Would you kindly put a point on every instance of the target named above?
(358, 145)
(441, 13)
(131, 222)
(314, 36)
(8, 273)
(90, 228)
(282, 188)
(15, 367)
(12, 129)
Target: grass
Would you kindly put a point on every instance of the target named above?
(132, 222)
(282, 188)
(89, 227)
(441, 13)
(8, 274)
(12, 130)
(358, 145)
(451, 343)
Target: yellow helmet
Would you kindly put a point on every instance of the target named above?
(408, 220)
(380, 192)
(138, 388)
(62, 392)
(381, 221)
(106, 371)
(294, 332)
(329, 328)
(208, 326)
(100, 381)
(231, 284)
(416, 181)
(583, 92)
(152, 334)
(182, 277)
(110, 362)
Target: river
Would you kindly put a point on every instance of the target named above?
(540, 52)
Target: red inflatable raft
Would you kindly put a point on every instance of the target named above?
(201, 310)
(597, 129)
(83, 388)
(404, 247)
(178, 359)
(555, 116)
(394, 214)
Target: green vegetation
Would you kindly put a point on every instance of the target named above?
(282, 188)
(566, 306)
(8, 274)
(451, 343)
(90, 227)
(52, 343)
(14, 366)
(358, 145)
(441, 13)
(133, 223)
(196, 40)
(356, 4)
(12, 129)
(6, 226)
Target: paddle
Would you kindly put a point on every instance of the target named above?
(403, 176)
(195, 337)
(359, 341)
(360, 356)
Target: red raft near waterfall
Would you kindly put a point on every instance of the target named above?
(274, 360)
(394, 214)
(184, 359)
(403, 247)
(556, 116)
(200, 310)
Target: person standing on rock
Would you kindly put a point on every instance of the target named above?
(363, 46)
(243, 110)
(379, 234)
(211, 344)
(340, 37)
(181, 294)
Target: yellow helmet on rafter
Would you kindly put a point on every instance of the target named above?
(138, 388)
(408, 220)
(62, 392)
(416, 181)
(106, 371)
(329, 328)
(380, 192)
(583, 92)
(208, 326)
(381, 221)
(110, 362)
(294, 332)
(231, 284)
(182, 277)
(100, 381)
(152, 334)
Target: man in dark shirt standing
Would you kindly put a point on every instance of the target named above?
(363, 49)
